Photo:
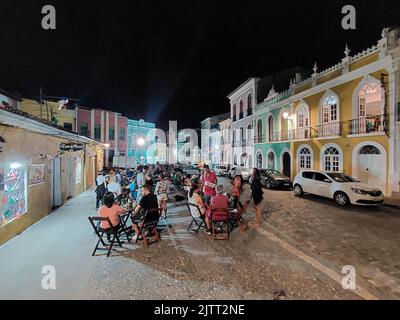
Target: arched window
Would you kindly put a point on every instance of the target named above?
(270, 129)
(369, 150)
(233, 138)
(250, 164)
(242, 160)
(259, 131)
(332, 159)
(235, 160)
(329, 116)
(242, 140)
(271, 160)
(241, 109)
(234, 112)
(259, 160)
(303, 122)
(304, 158)
(249, 105)
(249, 133)
(369, 100)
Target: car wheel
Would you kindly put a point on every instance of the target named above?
(342, 199)
(268, 184)
(298, 190)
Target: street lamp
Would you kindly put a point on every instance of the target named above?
(107, 145)
(140, 142)
(285, 115)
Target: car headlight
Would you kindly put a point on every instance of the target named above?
(358, 191)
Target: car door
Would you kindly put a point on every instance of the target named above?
(322, 185)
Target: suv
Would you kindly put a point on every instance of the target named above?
(340, 187)
(239, 171)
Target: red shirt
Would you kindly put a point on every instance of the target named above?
(219, 201)
(210, 178)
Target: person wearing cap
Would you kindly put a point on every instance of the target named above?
(208, 182)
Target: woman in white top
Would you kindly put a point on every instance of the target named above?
(114, 186)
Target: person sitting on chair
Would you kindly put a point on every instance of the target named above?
(195, 198)
(220, 201)
(110, 210)
(147, 202)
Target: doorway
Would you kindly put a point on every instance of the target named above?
(286, 161)
(56, 182)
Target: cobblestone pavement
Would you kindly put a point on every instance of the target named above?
(297, 254)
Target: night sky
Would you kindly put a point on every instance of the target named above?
(173, 60)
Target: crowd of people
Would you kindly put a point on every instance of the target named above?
(147, 188)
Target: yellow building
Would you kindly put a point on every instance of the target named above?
(50, 111)
(343, 119)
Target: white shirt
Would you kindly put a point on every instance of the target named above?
(100, 179)
(114, 187)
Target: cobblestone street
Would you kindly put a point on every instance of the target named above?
(298, 253)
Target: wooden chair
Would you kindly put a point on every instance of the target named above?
(197, 219)
(113, 232)
(236, 219)
(220, 223)
(149, 225)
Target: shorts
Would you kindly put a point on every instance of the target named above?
(162, 197)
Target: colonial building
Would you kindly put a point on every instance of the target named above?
(225, 144)
(208, 127)
(37, 174)
(107, 127)
(141, 142)
(342, 119)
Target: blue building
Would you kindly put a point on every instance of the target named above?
(141, 142)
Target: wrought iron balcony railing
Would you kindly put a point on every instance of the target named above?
(368, 124)
(329, 129)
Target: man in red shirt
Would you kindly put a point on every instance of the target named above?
(208, 182)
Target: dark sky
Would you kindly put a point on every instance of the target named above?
(173, 60)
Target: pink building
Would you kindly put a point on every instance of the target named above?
(104, 126)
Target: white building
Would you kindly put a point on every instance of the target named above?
(242, 107)
(208, 127)
(226, 139)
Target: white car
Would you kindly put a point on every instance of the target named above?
(239, 171)
(342, 188)
(221, 170)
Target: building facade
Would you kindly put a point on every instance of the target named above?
(209, 127)
(226, 145)
(107, 127)
(242, 107)
(343, 119)
(141, 140)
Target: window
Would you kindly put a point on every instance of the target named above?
(68, 126)
(122, 134)
(370, 100)
(241, 110)
(270, 128)
(320, 177)
(234, 111)
(235, 160)
(84, 130)
(369, 150)
(111, 133)
(331, 160)
(329, 109)
(305, 158)
(97, 132)
(308, 174)
(259, 131)
(249, 105)
(249, 133)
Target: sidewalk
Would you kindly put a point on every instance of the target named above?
(64, 239)
(392, 202)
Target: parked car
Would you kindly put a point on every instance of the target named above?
(221, 170)
(340, 187)
(190, 169)
(241, 171)
(273, 179)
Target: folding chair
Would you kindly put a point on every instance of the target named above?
(236, 219)
(220, 225)
(198, 220)
(149, 224)
(100, 232)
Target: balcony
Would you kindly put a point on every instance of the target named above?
(259, 139)
(331, 129)
(280, 136)
(301, 133)
(368, 124)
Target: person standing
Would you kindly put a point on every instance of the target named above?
(208, 182)
(161, 192)
(114, 187)
(237, 188)
(256, 193)
(100, 188)
(139, 182)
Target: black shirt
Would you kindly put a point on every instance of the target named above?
(149, 202)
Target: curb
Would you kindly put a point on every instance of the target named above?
(391, 205)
